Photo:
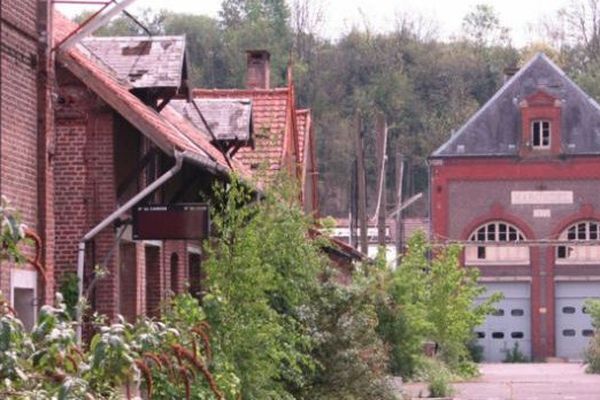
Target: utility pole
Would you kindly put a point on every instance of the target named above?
(399, 181)
(361, 185)
(381, 211)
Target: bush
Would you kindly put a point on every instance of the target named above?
(431, 300)
(515, 355)
(171, 359)
(351, 360)
(439, 385)
(285, 328)
(592, 352)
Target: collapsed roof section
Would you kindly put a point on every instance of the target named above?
(271, 124)
(229, 120)
(143, 62)
(169, 131)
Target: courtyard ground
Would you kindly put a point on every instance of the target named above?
(552, 381)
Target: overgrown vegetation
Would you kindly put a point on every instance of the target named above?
(432, 301)
(273, 324)
(592, 352)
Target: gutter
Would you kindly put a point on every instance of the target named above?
(112, 218)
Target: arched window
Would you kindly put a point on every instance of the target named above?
(497, 242)
(582, 231)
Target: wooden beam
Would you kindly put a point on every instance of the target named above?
(381, 128)
(361, 186)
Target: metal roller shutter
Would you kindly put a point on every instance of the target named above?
(511, 323)
(573, 324)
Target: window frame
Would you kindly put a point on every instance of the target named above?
(544, 132)
(578, 232)
(491, 244)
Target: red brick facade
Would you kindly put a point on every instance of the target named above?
(490, 173)
(24, 122)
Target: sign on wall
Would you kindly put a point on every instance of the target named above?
(175, 222)
(541, 197)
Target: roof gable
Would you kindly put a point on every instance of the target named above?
(143, 62)
(168, 130)
(495, 130)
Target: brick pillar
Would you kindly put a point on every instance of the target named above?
(101, 197)
(128, 282)
(178, 279)
(196, 274)
(154, 280)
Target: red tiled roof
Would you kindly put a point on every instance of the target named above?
(269, 115)
(168, 131)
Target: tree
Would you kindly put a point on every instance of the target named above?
(482, 26)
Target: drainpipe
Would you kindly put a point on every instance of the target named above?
(113, 217)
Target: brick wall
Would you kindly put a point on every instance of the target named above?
(18, 113)
(84, 187)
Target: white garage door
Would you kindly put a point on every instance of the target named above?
(509, 325)
(573, 324)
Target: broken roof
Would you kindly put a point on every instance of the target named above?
(144, 62)
(495, 130)
(228, 119)
(169, 131)
(270, 110)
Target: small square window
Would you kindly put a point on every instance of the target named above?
(540, 134)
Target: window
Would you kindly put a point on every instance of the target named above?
(498, 335)
(517, 312)
(568, 310)
(540, 134)
(568, 332)
(496, 242)
(517, 335)
(498, 312)
(480, 335)
(584, 231)
(587, 332)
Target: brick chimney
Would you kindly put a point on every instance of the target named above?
(258, 74)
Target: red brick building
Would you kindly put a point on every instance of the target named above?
(518, 186)
(282, 136)
(89, 132)
(24, 120)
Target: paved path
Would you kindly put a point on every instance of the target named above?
(526, 382)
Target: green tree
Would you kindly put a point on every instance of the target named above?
(482, 26)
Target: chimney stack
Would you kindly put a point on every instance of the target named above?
(258, 74)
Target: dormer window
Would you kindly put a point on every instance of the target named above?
(541, 120)
(540, 134)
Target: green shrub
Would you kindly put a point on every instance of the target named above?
(351, 360)
(439, 385)
(431, 299)
(592, 352)
(515, 355)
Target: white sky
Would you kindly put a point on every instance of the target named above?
(341, 15)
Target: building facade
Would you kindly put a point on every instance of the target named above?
(90, 132)
(517, 185)
(25, 167)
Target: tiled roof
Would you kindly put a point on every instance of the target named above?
(169, 131)
(495, 130)
(229, 119)
(269, 114)
(144, 62)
